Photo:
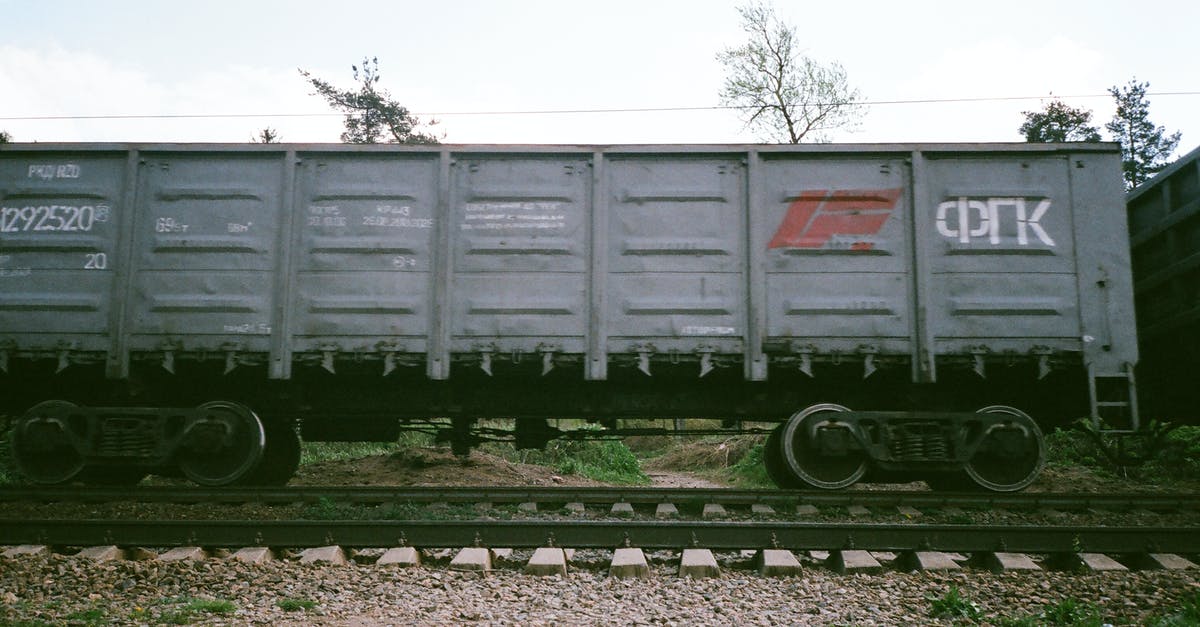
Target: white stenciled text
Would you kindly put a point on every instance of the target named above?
(968, 220)
(396, 217)
(509, 216)
(51, 218)
(49, 172)
(96, 261)
(249, 328)
(169, 225)
(402, 262)
(325, 215)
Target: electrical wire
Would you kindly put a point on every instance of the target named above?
(165, 116)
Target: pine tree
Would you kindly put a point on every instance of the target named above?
(1059, 122)
(267, 135)
(372, 116)
(1145, 148)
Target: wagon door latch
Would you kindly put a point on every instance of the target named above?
(1106, 304)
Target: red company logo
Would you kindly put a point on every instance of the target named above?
(842, 218)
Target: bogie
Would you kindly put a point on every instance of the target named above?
(217, 443)
(828, 446)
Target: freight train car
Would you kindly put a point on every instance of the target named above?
(1164, 227)
(887, 311)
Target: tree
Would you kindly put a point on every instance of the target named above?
(784, 95)
(1145, 148)
(5, 137)
(1059, 122)
(266, 136)
(372, 116)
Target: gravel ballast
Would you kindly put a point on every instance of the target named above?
(56, 589)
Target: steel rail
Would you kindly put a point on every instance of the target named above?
(633, 495)
(603, 534)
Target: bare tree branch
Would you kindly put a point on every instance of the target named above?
(784, 96)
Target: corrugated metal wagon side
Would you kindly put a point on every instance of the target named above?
(892, 310)
(1164, 225)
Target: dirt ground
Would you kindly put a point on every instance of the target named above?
(433, 467)
(1079, 479)
(686, 465)
(440, 468)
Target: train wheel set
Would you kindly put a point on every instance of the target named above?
(813, 449)
(215, 444)
(824, 446)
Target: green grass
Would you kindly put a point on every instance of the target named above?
(211, 606)
(419, 511)
(1179, 457)
(733, 459)
(8, 473)
(1188, 614)
(1143, 457)
(173, 617)
(751, 470)
(1065, 613)
(955, 607)
(93, 616)
(192, 610)
(326, 509)
(316, 452)
(610, 461)
(1067, 447)
(295, 605)
(1070, 612)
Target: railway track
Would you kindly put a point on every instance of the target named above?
(719, 535)
(604, 518)
(779, 500)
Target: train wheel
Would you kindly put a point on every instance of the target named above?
(776, 467)
(280, 458)
(812, 466)
(1010, 457)
(223, 447)
(42, 446)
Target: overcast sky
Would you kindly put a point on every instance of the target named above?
(89, 58)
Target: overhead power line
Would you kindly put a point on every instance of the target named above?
(923, 101)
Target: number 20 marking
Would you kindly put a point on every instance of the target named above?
(96, 261)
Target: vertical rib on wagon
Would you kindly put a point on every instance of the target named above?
(118, 329)
(756, 271)
(280, 365)
(596, 368)
(1105, 282)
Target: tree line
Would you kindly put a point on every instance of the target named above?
(1145, 147)
(788, 97)
(783, 96)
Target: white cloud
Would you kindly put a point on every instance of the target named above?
(56, 82)
(989, 68)
(50, 80)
